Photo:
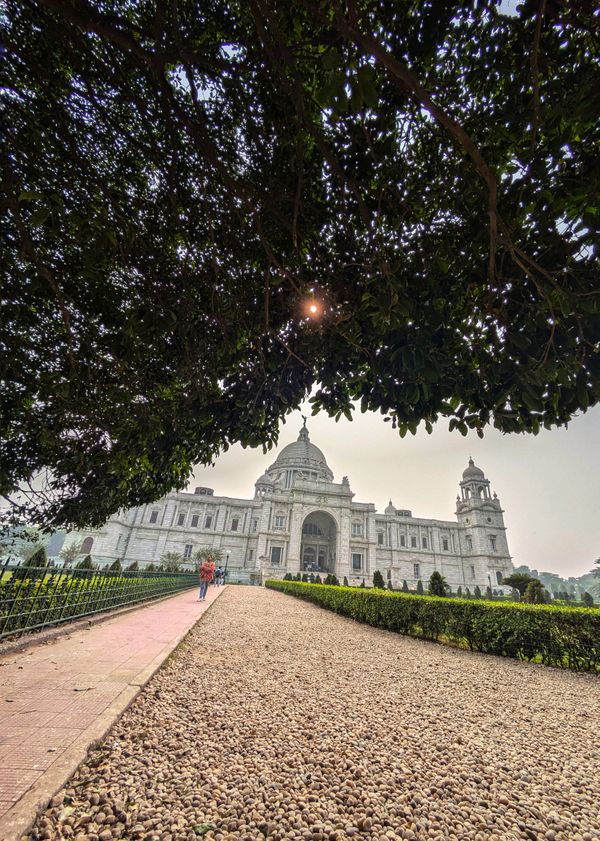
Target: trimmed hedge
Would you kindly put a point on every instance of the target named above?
(557, 636)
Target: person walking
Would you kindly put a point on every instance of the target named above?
(207, 572)
(219, 576)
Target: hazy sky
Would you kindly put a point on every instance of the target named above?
(549, 485)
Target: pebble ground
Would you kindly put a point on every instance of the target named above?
(278, 719)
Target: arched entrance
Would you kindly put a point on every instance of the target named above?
(319, 539)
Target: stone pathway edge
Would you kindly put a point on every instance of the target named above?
(20, 818)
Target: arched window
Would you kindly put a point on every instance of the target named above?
(311, 528)
(499, 577)
(86, 546)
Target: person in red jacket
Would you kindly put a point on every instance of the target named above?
(207, 572)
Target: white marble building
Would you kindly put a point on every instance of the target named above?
(301, 520)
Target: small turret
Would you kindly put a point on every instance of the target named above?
(474, 485)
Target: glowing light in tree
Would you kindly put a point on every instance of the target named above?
(312, 308)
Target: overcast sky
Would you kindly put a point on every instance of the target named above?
(549, 485)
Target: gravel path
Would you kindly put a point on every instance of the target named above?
(278, 718)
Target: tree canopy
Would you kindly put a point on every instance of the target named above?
(210, 209)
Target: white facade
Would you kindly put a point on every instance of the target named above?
(301, 520)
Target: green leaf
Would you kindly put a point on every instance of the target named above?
(203, 828)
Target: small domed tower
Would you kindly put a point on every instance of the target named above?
(483, 533)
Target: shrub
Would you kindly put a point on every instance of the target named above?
(85, 563)
(304, 577)
(346, 582)
(171, 561)
(116, 566)
(420, 590)
(334, 580)
(133, 567)
(519, 581)
(566, 637)
(467, 593)
(438, 586)
(70, 551)
(362, 584)
(488, 593)
(459, 592)
(404, 587)
(318, 579)
(150, 568)
(535, 592)
(34, 566)
(378, 580)
(311, 578)
(200, 556)
(587, 599)
(477, 591)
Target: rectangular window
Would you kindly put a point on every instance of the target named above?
(181, 520)
(195, 519)
(469, 543)
(492, 543)
(356, 561)
(153, 516)
(356, 529)
(413, 542)
(187, 552)
(254, 525)
(416, 570)
(402, 540)
(445, 544)
(424, 542)
(380, 538)
(208, 521)
(472, 570)
(234, 524)
(279, 521)
(276, 553)
(250, 554)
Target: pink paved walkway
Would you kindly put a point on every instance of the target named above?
(58, 697)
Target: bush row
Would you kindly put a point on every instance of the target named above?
(557, 636)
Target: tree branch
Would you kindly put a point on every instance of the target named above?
(406, 80)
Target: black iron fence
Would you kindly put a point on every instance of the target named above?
(31, 599)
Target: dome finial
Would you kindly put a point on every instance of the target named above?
(303, 436)
(471, 462)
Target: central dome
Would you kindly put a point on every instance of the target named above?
(300, 460)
